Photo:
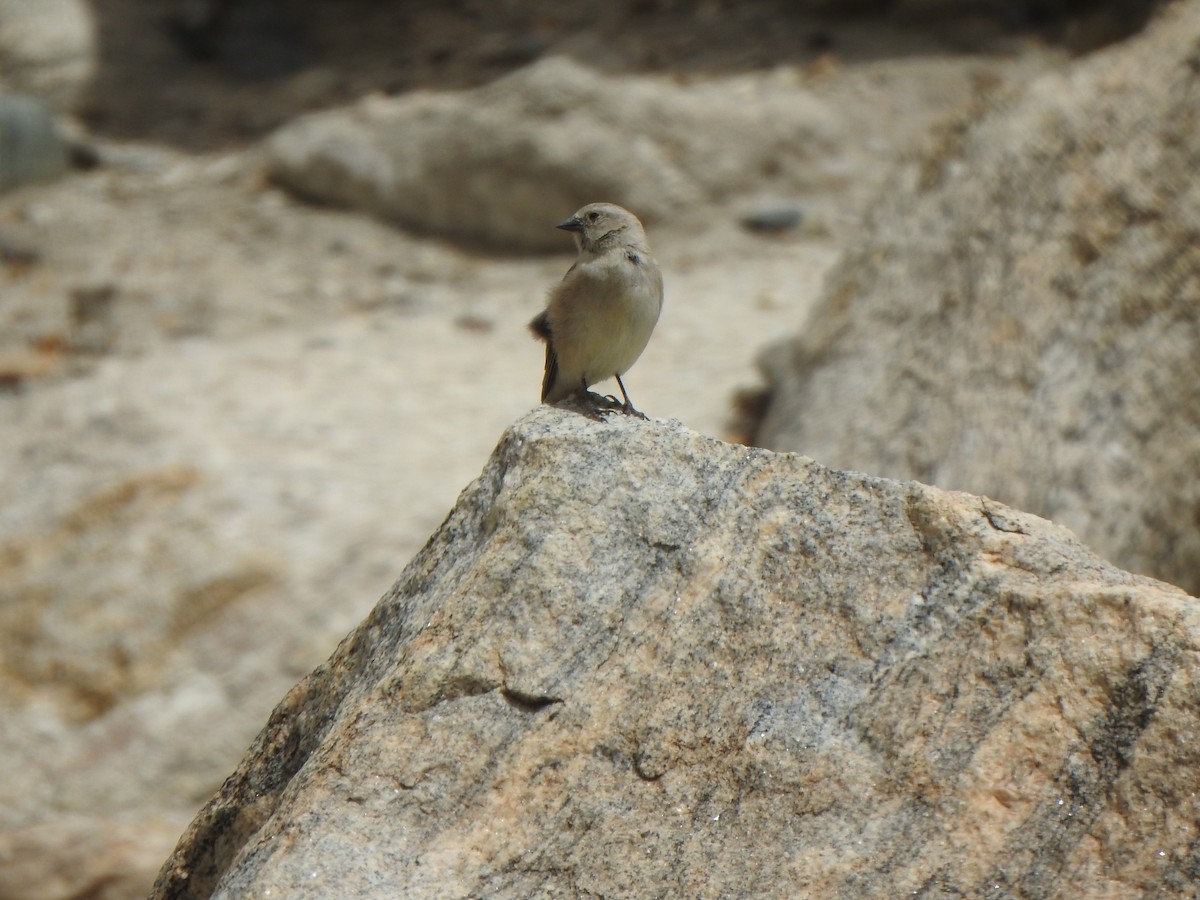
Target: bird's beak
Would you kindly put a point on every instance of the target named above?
(572, 224)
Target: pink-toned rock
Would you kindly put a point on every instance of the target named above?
(639, 662)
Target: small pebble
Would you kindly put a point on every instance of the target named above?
(773, 221)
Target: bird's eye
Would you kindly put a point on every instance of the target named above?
(593, 216)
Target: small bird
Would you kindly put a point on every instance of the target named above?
(600, 316)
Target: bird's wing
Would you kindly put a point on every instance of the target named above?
(551, 375)
(540, 326)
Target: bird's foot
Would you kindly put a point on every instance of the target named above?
(597, 406)
(628, 409)
(622, 406)
(591, 405)
(602, 401)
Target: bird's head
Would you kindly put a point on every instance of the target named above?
(600, 225)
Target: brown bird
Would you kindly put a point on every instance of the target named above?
(600, 316)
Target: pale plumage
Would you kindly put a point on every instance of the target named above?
(600, 316)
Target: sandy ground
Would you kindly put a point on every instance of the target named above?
(256, 326)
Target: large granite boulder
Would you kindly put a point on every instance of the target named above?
(635, 661)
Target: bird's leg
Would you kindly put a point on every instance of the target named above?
(598, 399)
(626, 407)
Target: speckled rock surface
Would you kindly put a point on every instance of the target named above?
(638, 661)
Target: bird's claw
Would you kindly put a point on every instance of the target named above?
(622, 406)
(601, 405)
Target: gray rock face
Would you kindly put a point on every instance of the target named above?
(32, 147)
(1022, 318)
(47, 48)
(639, 662)
(495, 164)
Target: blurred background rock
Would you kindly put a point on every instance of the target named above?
(47, 49)
(230, 415)
(1023, 320)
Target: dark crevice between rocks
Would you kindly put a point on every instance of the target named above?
(527, 703)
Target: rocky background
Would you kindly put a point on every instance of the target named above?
(263, 288)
